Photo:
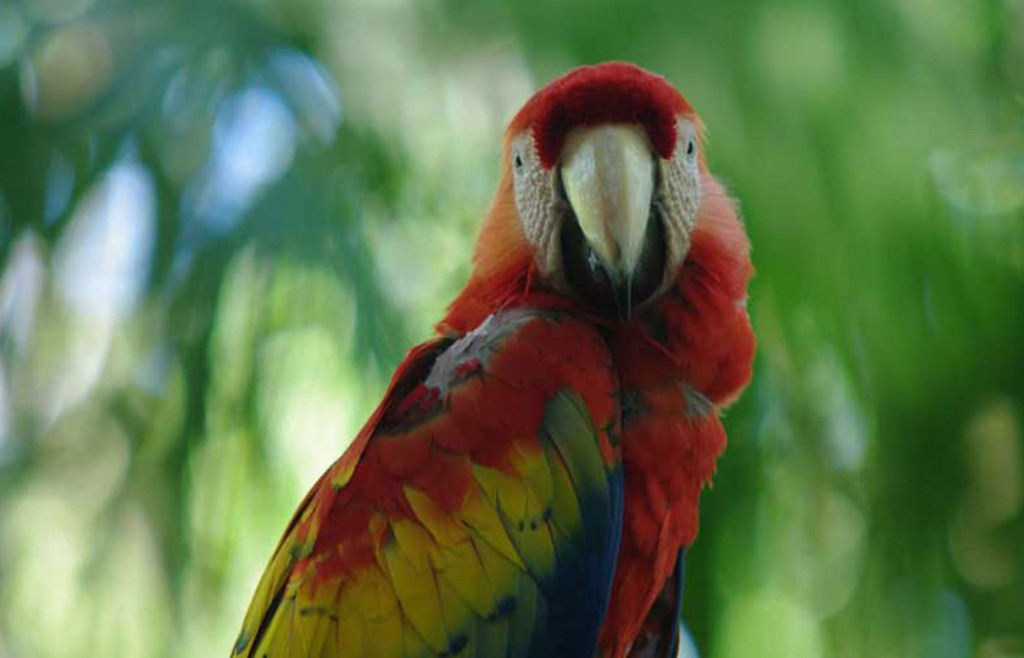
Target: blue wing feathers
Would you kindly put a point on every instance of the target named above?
(576, 596)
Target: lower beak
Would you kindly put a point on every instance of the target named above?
(608, 175)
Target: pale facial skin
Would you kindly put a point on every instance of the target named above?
(610, 220)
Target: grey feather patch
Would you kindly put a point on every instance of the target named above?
(697, 404)
(478, 345)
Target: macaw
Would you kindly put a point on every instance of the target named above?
(530, 481)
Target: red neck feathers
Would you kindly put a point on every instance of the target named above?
(699, 328)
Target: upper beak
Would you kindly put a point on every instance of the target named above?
(608, 176)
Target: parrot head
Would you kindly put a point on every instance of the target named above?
(601, 186)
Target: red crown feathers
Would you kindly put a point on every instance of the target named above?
(613, 92)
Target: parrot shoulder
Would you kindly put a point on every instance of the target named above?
(477, 513)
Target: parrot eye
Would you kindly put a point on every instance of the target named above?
(690, 147)
(518, 162)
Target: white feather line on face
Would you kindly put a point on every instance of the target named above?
(536, 201)
(478, 345)
(680, 197)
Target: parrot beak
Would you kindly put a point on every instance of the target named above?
(608, 175)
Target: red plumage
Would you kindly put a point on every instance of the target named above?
(614, 92)
(696, 345)
(558, 387)
(431, 456)
(696, 337)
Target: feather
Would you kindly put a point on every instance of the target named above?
(499, 502)
(433, 547)
(612, 92)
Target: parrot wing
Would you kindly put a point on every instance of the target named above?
(478, 513)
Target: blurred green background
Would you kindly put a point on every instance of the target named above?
(223, 223)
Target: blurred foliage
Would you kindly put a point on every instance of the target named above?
(222, 223)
